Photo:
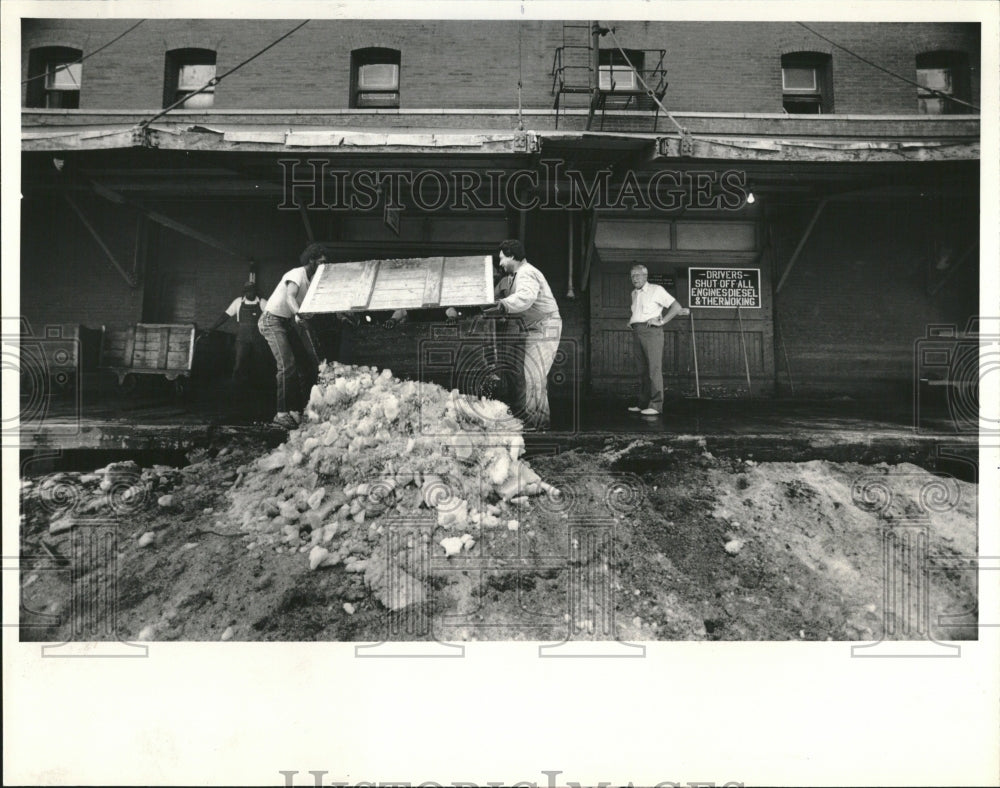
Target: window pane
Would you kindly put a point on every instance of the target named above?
(63, 76)
(803, 106)
(193, 76)
(798, 78)
(378, 76)
(199, 101)
(931, 106)
(624, 78)
(62, 99)
(935, 79)
(378, 99)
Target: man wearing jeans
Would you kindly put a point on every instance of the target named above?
(652, 308)
(279, 326)
(531, 300)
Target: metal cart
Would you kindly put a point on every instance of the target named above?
(165, 349)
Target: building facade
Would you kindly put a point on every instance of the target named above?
(810, 191)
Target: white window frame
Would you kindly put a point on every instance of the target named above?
(393, 87)
(55, 69)
(815, 79)
(609, 78)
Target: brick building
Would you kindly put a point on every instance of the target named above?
(845, 195)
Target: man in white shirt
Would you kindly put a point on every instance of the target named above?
(279, 326)
(247, 311)
(252, 355)
(531, 300)
(652, 308)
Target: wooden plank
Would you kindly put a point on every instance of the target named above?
(363, 290)
(162, 346)
(332, 288)
(433, 282)
(129, 346)
(408, 283)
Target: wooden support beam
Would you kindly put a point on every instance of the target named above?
(306, 223)
(100, 242)
(802, 243)
(958, 263)
(141, 247)
(166, 221)
(588, 251)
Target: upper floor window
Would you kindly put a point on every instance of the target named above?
(185, 71)
(375, 78)
(943, 76)
(806, 83)
(614, 72)
(55, 74)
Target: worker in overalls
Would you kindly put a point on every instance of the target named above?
(510, 342)
(252, 354)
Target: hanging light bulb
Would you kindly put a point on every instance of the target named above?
(750, 198)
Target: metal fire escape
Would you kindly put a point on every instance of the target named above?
(621, 79)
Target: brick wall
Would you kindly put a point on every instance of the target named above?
(712, 66)
(66, 277)
(856, 302)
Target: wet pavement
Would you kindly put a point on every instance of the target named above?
(844, 429)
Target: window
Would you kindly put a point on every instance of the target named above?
(375, 78)
(806, 83)
(55, 74)
(185, 71)
(942, 76)
(614, 73)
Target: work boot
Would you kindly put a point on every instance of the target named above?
(285, 421)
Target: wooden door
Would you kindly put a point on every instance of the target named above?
(728, 341)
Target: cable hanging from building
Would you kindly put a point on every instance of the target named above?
(933, 92)
(216, 80)
(649, 92)
(88, 55)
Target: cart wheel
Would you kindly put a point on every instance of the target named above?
(128, 383)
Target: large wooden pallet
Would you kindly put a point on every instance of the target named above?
(411, 283)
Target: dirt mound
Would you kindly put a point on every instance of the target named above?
(377, 459)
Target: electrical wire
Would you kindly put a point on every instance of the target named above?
(216, 80)
(646, 87)
(937, 93)
(520, 78)
(89, 54)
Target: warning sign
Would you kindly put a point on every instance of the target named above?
(724, 288)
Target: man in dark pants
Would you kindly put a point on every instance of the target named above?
(652, 308)
(279, 325)
(252, 356)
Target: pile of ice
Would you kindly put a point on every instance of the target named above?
(374, 451)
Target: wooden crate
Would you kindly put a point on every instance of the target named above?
(149, 349)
